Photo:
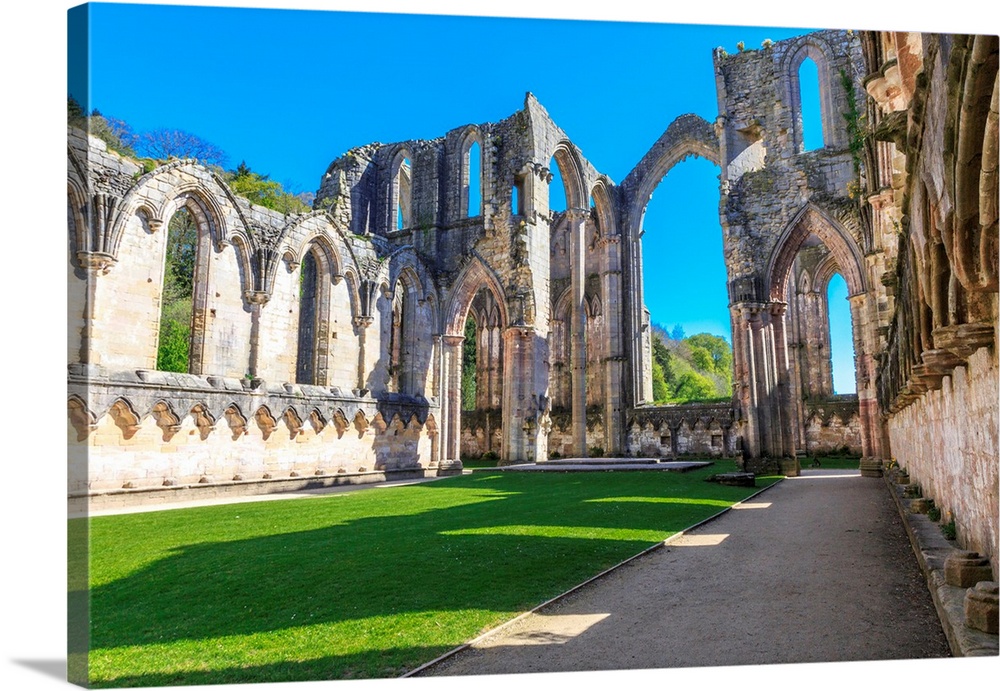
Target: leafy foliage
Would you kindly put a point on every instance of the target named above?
(469, 366)
(115, 133)
(178, 289)
(697, 368)
(260, 189)
(160, 145)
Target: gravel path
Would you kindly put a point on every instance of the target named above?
(816, 569)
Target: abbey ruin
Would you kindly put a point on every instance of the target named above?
(327, 346)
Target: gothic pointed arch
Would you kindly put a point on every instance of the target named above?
(687, 135)
(400, 187)
(815, 47)
(472, 179)
(812, 220)
(474, 275)
(571, 168)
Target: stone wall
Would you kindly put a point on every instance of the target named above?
(691, 429)
(948, 443)
(833, 426)
(933, 110)
(157, 429)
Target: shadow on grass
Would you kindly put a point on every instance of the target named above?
(523, 539)
(329, 667)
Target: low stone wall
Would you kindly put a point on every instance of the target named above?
(561, 434)
(482, 432)
(947, 440)
(833, 425)
(84, 503)
(156, 429)
(692, 429)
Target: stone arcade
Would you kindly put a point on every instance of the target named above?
(327, 347)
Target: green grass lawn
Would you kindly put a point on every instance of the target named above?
(832, 462)
(363, 584)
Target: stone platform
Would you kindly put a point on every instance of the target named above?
(565, 465)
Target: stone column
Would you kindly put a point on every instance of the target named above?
(94, 264)
(257, 300)
(759, 380)
(864, 366)
(611, 291)
(525, 408)
(578, 327)
(782, 394)
(361, 325)
(452, 393)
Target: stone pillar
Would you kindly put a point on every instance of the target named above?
(759, 381)
(257, 300)
(611, 291)
(864, 372)
(578, 328)
(452, 394)
(782, 399)
(746, 390)
(361, 325)
(525, 410)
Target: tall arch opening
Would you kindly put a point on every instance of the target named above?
(841, 340)
(810, 112)
(817, 296)
(403, 193)
(305, 362)
(185, 277)
(684, 279)
(474, 189)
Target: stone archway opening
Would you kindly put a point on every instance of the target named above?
(482, 381)
(782, 346)
(820, 344)
(684, 278)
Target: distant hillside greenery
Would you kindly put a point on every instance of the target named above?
(692, 369)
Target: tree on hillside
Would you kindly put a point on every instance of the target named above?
(114, 132)
(695, 368)
(260, 189)
(163, 143)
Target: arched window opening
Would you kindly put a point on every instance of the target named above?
(516, 196)
(177, 302)
(841, 336)
(397, 345)
(305, 367)
(474, 165)
(684, 279)
(557, 189)
(810, 110)
(469, 364)
(404, 195)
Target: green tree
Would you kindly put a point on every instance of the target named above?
(660, 392)
(469, 366)
(261, 190)
(178, 289)
(692, 386)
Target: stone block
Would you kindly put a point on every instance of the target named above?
(964, 569)
(982, 607)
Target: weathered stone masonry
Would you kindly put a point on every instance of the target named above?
(360, 376)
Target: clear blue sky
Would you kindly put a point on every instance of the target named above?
(289, 91)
